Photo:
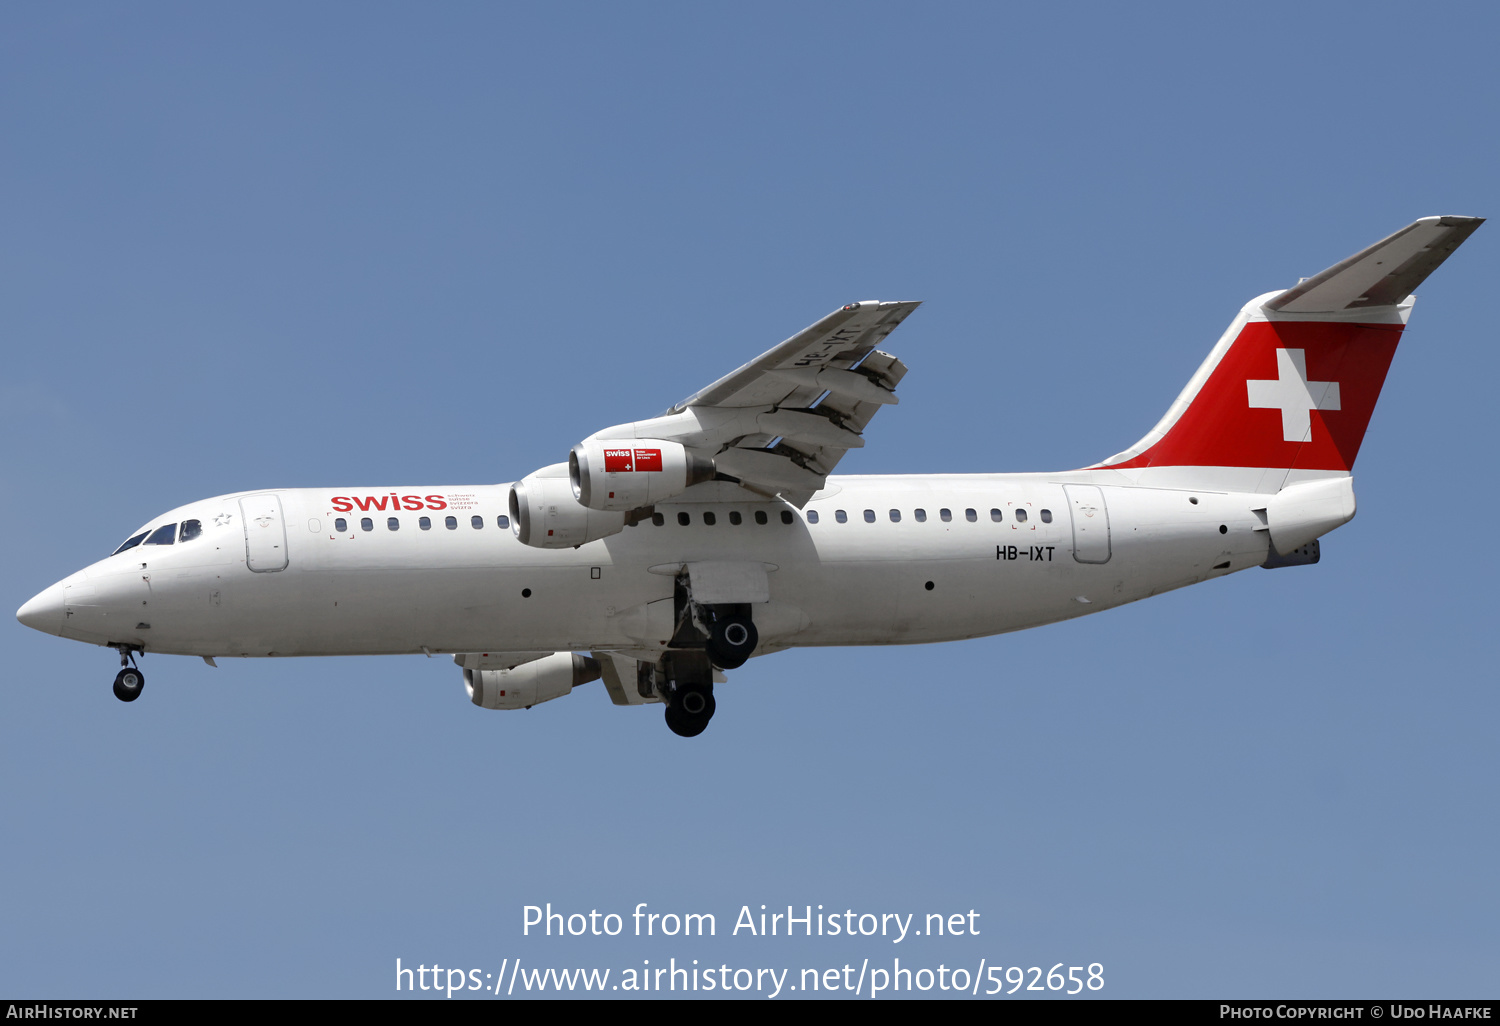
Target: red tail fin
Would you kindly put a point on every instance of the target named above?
(1295, 394)
(1294, 381)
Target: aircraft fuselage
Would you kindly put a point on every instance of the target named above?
(872, 576)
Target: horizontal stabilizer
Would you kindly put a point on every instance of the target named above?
(1382, 275)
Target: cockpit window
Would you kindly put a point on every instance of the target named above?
(130, 543)
(190, 530)
(164, 535)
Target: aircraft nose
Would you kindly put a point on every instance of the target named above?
(45, 611)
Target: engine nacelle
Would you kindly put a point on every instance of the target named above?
(522, 687)
(543, 512)
(626, 474)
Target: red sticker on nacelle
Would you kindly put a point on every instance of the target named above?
(624, 461)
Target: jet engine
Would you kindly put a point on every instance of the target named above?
(540, 680)
(544, 513)
(627, 474)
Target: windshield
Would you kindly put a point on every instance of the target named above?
(131, 543)
(167, 534)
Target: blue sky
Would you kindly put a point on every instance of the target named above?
(362, 244)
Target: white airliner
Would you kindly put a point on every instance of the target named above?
(673, 548)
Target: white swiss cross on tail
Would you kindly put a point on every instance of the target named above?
(1293, 394)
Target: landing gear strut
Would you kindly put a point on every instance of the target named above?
(704, 637)
(130, 681)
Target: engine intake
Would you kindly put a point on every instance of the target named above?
(540, 680)
(544, 513)
(627, 474)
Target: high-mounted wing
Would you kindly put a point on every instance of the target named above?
(779, 424)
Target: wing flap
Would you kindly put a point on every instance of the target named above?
(779, 424)
(621, 678)
(768, 472)
(838, 341)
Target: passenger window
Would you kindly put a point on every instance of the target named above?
(895, 516)
(451, 523)
(970, 516)
(760, 516)
(787, 518)
(1046, 516)
(366, 524)
(476, 522)
(659, 519)
(841, 516)
(392, 524)
(812, 516)
(735, 518)
(945, 514)
(1020, 516)
(503, 522)
(163, 535)
(684, 519)
(425, 523)
(341, 525)
(920, 514)
(710, 519)
(130, 543)
(190, 530)
(869, 516)
(996, 515)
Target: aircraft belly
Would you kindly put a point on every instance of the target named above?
(454, 609)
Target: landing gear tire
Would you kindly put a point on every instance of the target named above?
(731, 641)
(690, 710)
(129, 683)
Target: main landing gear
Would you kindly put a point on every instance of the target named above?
(705, 638)
(690, 708)
(685, 682)
(731, 639)
(130, 681)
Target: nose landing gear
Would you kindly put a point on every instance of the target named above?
(130, 681)
(128, 684)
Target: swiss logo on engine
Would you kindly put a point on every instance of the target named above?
(618, 461)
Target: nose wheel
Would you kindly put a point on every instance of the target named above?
(128, 684)
(130, 681)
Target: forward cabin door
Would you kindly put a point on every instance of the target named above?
(1090, 523)
(265, 533)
